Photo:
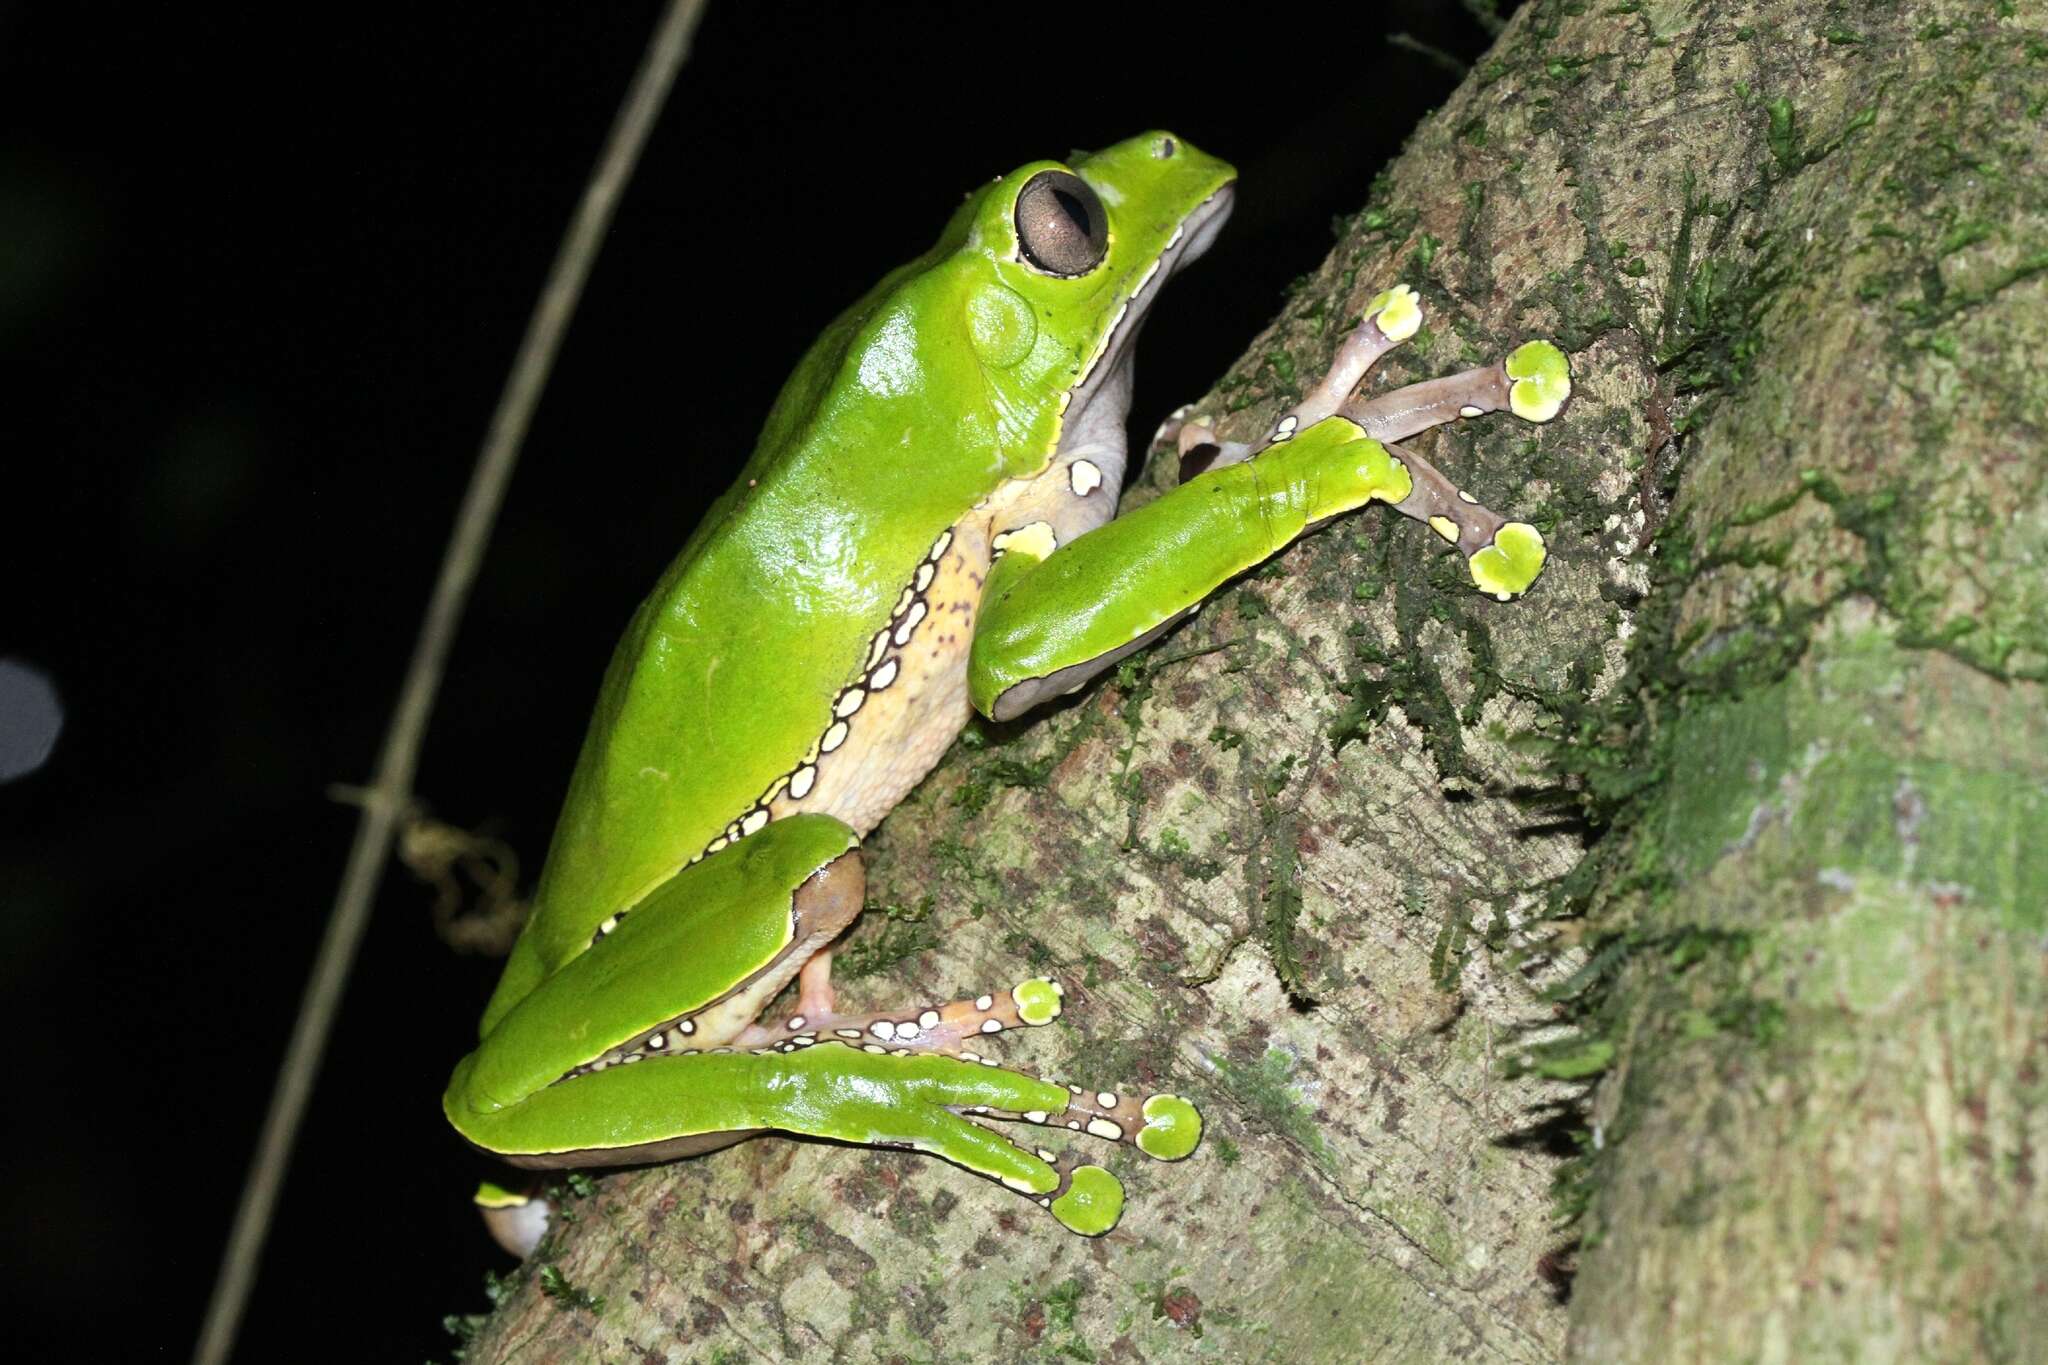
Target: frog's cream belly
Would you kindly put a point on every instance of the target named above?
(893, 724)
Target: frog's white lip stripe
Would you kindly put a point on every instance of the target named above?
(1197, 232)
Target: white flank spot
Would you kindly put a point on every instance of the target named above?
(939, 546)
(982, 1002)
(1034, 1116)
(882, 676)
(847, 1032)
(1466, 497)
(929, 1019)
(796, 1022)
(1105, 1099)
(903, 632)
(849, 702)
(1286, 427)
(835, 736)
(906, 1031)
(800, 784)
(1469, 411)
(991, 1026)
(924, 575)
(875, 1048)
(755, 822)
(1103, 1128)
(903, 602)
(883, 1028)
(687, 1026)
(1083, 477)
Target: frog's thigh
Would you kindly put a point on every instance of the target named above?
(1051, 621)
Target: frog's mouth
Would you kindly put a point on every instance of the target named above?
(1095, 415)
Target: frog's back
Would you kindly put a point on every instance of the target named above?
(725, 686)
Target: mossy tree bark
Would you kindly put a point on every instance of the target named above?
(1745, 783)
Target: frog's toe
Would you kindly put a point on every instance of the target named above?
(1092, 1202)
(1510, 562)
(1164, 1127)
(1037, 1000)
(1540, 380)
(1171, 1130)
(945, 1030)
(1397, 311)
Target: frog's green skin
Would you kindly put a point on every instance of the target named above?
(926, 521)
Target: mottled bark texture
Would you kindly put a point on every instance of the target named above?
(1753, 781)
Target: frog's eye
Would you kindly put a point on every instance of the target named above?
(1061, 226)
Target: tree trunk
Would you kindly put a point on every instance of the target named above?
(1730, 812)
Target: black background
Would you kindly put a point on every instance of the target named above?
(261, 274)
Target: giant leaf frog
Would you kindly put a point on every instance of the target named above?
(927, 527)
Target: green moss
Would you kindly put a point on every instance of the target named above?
(1266, 1090)
(895, 935)
(556, 1286)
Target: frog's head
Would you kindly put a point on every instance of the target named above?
(1056, 268)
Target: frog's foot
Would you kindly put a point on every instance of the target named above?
(1533, 383)
(1390, 319)
(939, 1101)
(950, 1029)
(926, 1104)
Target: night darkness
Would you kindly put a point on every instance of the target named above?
(260, 280)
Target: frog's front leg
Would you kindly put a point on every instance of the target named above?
(1055, 615)
(1532, 382)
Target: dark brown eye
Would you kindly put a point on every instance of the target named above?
(1060, 224)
